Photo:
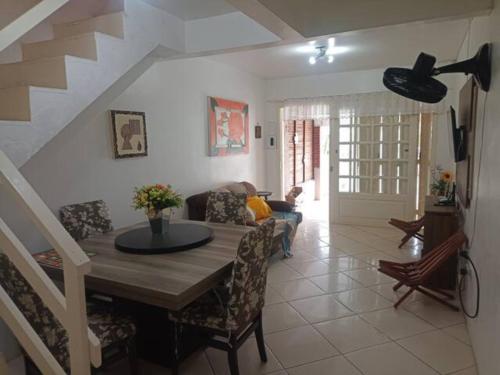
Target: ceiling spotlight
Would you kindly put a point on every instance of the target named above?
(324, 51)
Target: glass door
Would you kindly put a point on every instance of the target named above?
(374, 169)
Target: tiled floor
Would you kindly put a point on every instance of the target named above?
(329, 311)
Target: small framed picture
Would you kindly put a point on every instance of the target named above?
(129, 134)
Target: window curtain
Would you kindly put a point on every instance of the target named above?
(383, 103)
(307, 109)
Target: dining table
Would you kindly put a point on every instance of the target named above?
(148, 286)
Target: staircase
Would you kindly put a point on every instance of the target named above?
(59, 78)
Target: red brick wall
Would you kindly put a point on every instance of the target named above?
(308, 150)
(316, 147)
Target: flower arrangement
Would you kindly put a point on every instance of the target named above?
(155, 198)
(442, 181)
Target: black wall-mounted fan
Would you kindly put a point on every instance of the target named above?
(418, 84)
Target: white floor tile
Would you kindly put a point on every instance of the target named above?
(281, 316)
(459, 332)
(308, 269)
(440, 351)
(435, 313)
(397, 323)
(280, 272)
(363, 300)
(297, 289)
(369, 277)
(345, 263)
(248, 360)
(335, 282)
(272, 296)
(320, 308)
(299, 346)
(388, 359)
(334, 366)
(468, 371)
(350, 334)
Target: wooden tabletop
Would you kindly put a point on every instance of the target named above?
(170, 281)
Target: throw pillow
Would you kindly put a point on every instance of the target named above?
(260, 207)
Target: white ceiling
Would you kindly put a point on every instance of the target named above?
(370, 49)
(193, 9)
(322, 17)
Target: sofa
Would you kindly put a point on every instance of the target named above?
(287, 219)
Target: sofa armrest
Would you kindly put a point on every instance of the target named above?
(281, 206)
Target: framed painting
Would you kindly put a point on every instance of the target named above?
(129, 134)
(228, 127)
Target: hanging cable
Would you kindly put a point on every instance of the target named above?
(465, 254)
(461, 287)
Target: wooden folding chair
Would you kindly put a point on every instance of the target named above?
(415, 274)
(411, 228)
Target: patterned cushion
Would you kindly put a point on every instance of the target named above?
(208, 311)
(226, 208)
(234, 307)
(109, 327)
(84, 219)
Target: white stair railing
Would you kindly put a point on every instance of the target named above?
(28, 20)
(70, 308)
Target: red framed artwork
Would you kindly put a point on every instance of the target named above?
(228, 127)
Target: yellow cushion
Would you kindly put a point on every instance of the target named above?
(260, 207)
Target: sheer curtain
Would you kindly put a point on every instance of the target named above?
(383, 103)
(307, 109)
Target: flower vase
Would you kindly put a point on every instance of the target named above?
(159, 221)
(156, 222)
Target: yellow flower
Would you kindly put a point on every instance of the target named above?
(446, 176)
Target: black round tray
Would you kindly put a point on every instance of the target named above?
(179, 237)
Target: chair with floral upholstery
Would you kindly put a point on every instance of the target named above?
(227, 208)
(116, 332)
(84, 219)
(234, 311)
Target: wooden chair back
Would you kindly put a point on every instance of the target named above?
(434, 259)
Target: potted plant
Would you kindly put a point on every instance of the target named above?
(154, 199)
(441, 182)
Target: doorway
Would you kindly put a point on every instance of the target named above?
(305, 163)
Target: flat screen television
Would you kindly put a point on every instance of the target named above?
(458, 137)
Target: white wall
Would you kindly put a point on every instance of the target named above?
(356, 82)
(77, 165)
(225, 31)
(483, 218)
